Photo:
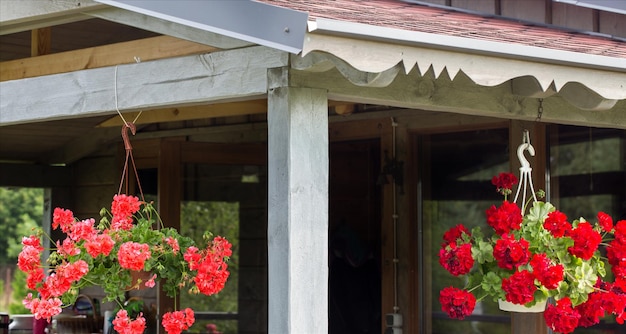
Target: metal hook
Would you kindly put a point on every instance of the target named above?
(525, 146)
(133, 130)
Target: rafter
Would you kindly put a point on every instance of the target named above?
(101, 56)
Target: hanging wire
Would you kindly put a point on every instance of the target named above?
(127, 146)
(115, 95)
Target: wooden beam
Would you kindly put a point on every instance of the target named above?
(232, 75)
(240, 108)
(190, 113)
(29, 175)
(100, 56)
(462, 96)
(40, 41)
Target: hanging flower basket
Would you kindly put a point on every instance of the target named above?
(512, 307)
(128, 249)
(532, 254)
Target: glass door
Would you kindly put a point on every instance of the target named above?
(455, 176)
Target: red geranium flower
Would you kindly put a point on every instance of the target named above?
(562, 318)
(550, 276)
(505, 218)
(124, 325)
(178, 321)
(455, 233)
(82, 230)
(457, 303)
(124, 205)
(620, 231)
(133, 255)
(101, 244)
(457, 260)
(504, 183)
(43, 308)
(511, 253)
(605, 221)
(586, 241)
(62, 218)
(557, 224)
(616, 253)
(520, 287)
(592, 310)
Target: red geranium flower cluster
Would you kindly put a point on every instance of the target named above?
(556, 223)
(519, 287)
(505, 218)
(457, 303)
(178, 321)
(530, 257)
(105, 254)
(562, 318)
(124, 325)
(504, 183)
(511, 253)
(616, 251)
(548, 274)
(212, 270)
(457, 260)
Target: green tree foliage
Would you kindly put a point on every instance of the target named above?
(21, 209)
(19, 292)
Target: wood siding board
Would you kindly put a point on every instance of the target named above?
(613, 24)
(575, 17)
(530, 10)
(483, 6)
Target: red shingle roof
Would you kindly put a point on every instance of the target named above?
(413, 17)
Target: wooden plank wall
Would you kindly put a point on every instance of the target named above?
(547, 11)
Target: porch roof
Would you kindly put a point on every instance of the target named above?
(489, 49)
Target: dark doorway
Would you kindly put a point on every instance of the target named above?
(354, 237)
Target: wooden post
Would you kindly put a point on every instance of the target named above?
(40, 41)
(298, 207)
(524, 323)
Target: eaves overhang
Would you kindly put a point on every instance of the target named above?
(376, 49)
(467, 45)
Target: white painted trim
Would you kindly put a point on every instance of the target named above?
(467, 45)
(378, 55)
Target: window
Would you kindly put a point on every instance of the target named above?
(455, 173)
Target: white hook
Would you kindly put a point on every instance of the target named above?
(520, 154)
(525, 171)
(525, 146)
